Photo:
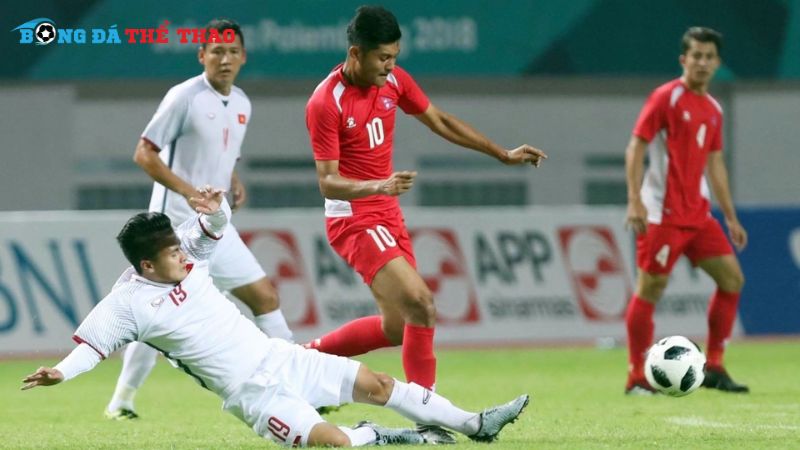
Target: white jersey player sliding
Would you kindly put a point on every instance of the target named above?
(168, 301)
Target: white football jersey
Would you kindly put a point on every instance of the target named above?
(191, 323)
(199, 133)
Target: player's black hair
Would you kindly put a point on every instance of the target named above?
(373, 26)
(144, 235)
(223, 23)
(701, 34)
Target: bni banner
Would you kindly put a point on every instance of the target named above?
(498, 275)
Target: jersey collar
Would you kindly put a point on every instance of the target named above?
(224, 98)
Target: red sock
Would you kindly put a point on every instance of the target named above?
(721, 316)
(353, 338)
(419, 361)
(639, 322)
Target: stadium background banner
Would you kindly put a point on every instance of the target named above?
(462, 38)
(500, 276)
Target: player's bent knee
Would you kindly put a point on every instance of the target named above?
(372, 387)
(652, 287)
(734, 282)
(385, 388)
(419, 306)
(269, 297)
(261, 297)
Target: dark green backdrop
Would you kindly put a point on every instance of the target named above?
(458, 38)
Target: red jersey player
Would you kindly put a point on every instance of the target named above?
(670, 210)
(350, 118)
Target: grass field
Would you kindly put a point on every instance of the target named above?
(577, 404)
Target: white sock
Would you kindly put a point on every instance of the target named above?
(273, 324)
(360, 436)
(137, 362)
(423, 406)
(123, 398)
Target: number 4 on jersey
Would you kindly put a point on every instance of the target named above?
(663, 255)
(701, 135)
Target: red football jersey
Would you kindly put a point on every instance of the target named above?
(355, 125)
(683, 128)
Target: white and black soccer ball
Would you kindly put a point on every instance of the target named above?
(674, 366)
(45, 32)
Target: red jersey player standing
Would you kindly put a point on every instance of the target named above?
(351, 118)
(670, 210)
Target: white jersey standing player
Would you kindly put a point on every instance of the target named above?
(194, 139)
(167, 299)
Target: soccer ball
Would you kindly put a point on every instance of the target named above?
(674, 366)
(45, 32)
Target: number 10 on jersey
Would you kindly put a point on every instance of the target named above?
(382, 237)
(375, 132)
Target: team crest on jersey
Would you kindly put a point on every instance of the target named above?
(242, 119)
(351, 122)
(388, 103)
(686, 116)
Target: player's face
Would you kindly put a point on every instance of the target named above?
(169, 266)
(700, 62)
(222, 63)
(374, 66)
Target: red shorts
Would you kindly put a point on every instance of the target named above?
(659, 248)
(367, 242)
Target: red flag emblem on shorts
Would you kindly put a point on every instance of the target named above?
(242, 119)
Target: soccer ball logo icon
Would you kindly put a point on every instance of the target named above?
(45, 33)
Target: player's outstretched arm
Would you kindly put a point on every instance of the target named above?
(334, 186)
(82, 359)
(636, 217)
(199, 235)
(44, 376)
(460, 133)
(718, 177)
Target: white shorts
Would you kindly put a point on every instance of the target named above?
(233, 264)
(279, 401)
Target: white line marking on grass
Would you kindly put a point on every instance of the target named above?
(700, 422)
(778, 406)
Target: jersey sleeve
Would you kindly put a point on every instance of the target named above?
(652, 118)
(199, 234)
(322, 121)
(109, 326)
(167, 122)
(412, 98)
(83, 358)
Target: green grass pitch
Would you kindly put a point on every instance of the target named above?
(577, 403)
